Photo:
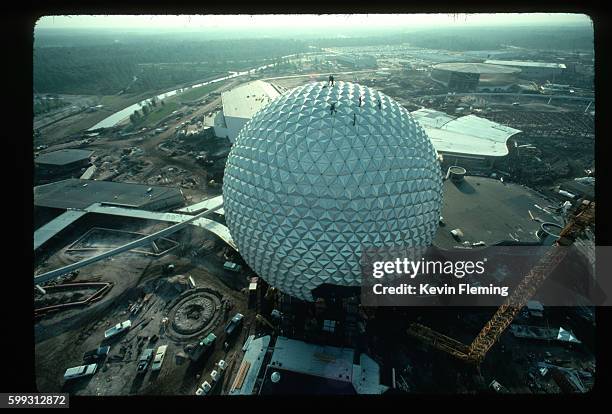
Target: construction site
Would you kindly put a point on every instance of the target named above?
(143, 241)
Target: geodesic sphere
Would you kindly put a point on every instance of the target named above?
(305, 187)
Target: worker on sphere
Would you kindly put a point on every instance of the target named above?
(332, 108)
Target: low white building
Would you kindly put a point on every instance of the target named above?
(239, 105)
(465, 139)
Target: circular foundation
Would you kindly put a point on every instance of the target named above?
(194, 313)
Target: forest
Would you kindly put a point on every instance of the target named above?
(151, 63)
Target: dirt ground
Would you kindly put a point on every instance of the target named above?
(141, 158)
(63, 337)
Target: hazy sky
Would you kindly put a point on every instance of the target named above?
(307, 21)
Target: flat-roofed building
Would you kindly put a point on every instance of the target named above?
(60, 164)
(468, 140)
(298, 367)
(80, 194)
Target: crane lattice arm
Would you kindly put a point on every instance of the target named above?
(505, 314)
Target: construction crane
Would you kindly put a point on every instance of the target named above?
(505, 314)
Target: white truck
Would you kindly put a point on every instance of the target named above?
(159, 358)
(117, 329)
(80, 371)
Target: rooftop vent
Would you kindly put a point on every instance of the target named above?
(456, 173)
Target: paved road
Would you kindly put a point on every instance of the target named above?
(77, 104)
(203, 205)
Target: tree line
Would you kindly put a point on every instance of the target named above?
(156, 63)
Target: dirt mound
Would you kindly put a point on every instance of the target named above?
(169, 288)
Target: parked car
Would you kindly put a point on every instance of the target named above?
(80, 371)
(221, 365)
(234, 267)
(117, 329)
(233, 325)
(143, 361)
(204, 389)
(159, 358)
(96, 355)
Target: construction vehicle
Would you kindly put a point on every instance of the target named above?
(505, 314)
(203, 347)
(117, 329)
(144, 359)
(234, 325)
(231, 266)
(96, 355)
(80, 371)
(158, 360)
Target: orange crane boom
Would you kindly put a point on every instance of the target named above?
(505, 314)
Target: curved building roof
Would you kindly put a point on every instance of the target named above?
(479, 68)
(245, 100)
